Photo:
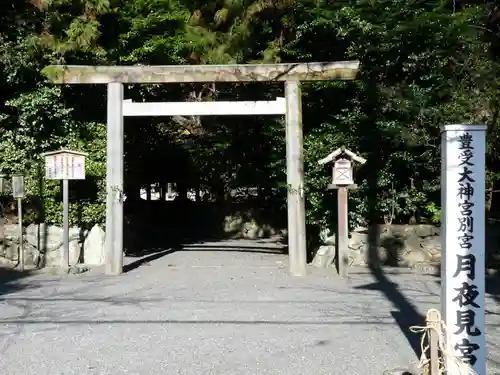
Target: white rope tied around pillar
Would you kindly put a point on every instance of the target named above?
(437, 325)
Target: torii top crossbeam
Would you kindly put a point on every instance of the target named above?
(316, 71)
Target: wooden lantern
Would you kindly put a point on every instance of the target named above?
(342, 172)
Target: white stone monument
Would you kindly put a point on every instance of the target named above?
(463, 149)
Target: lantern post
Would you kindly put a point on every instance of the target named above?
(342, 180)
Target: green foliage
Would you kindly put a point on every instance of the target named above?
(434, 213)
(423, 65)
(44, 124)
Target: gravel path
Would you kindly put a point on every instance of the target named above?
(216, 312)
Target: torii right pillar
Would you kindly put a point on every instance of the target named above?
(463, 150)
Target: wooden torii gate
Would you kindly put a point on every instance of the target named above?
(291, 74)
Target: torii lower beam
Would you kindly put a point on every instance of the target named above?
(233, 108)
(291, 74)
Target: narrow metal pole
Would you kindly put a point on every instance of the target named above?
(343, 232)
(114, 180)
(65, 249)
(20, 219)
(297, 251)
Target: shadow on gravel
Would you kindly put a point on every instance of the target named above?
(190, 322)
(405, 314)
(493, 286)
(11, 280)
(218, 247)
(492, 283)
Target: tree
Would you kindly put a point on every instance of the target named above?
(423, 65)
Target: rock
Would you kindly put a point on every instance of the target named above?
(48, 240)
(233, 224)
(249, 229)
(398, 231)
(252, 231)
(398, 371)
(54, 257)
(268, 231)
(356, 258)
(11, 250)
(77, 269)
(382, 257)
(11, 232)
(332, 240)
(49, 237)
(432, 247)
(412, 258)
(393, 244)
(93, 247)
(324, 256)
(357, 240)
(9, 246)
(426, 230)
(398, 245)
(325, 234)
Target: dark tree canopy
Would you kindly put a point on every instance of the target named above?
(423, 65)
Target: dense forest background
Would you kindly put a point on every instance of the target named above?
(424, 64)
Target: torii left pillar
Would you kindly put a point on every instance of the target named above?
(114, 180)
(295, 180)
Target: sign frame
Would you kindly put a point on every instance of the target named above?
(60, 165)
(65, 165)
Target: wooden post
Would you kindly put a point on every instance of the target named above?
(343, 232)
(18, 193)
(295, 180)
(434, 323)
(342, 181)
(20, 226)
(114, 180)
(65, 248)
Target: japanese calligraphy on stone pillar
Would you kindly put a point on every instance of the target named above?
(463, 174)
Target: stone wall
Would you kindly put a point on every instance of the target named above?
(400, 245)
(396, 245)
(42, 245)
(239, 226)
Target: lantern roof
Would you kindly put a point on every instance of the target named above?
(342, 151)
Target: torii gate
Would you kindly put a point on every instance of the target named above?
(292, 74)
